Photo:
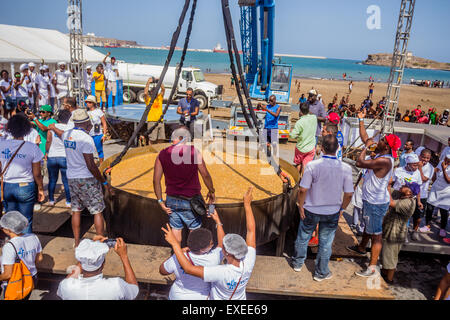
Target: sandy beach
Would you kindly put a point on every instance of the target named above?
(410, 95)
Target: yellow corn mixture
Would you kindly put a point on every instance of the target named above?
(231, 176)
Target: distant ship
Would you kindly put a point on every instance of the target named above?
(111, 46)
(219, 49)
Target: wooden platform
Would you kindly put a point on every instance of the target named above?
(271, 275)
(50, 218)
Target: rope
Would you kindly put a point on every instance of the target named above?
(178, 71)
(143, 120)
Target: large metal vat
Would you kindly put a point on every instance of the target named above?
(139, 219)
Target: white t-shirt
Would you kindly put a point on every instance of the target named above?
(52, 87)
(62, 79)
(57, 146)
(402, 176)
(96, 288)
(32, 136)
(224, 278)
(110, 71)
(374, 189)
(76, 143)
(20, 170)
(440, 190)
(3, 122)
(419, 150)
(88, 78)
(328, 174)
(444, 153)
(95, 116)
(187, 287)
(428, 171)
(43, 82)
(27, 246)
(22, 90)
(6, 84)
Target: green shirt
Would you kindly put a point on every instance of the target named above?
(43, 134)
(305, 133)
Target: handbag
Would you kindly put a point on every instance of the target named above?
(3, 174)
(198, 205)
(21, 282)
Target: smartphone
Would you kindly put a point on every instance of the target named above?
(110, 242)
(211, 209)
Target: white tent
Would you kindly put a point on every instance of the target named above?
(24, 44)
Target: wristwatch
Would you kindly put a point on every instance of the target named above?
(160, 200)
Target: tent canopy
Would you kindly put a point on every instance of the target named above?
(24, 44)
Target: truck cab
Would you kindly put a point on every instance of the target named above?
(204, 91)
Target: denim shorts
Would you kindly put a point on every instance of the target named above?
(373, 215)
(182, 214)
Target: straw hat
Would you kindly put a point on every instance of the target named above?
(91, 98)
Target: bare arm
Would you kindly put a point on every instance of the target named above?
(7, 272)
(36, 168)
(121, 249)
(157, 176)
(275, 114)
(442, 289)
(49, 141)
(206, 177)
(249, 219)
(301, 200)
(92, 167)
(197, 271)
(347, 199)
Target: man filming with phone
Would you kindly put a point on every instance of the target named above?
(86, 281)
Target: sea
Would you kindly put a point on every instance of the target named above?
(311, 68)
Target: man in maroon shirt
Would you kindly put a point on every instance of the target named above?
(180, 163)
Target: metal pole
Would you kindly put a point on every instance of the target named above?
(76, 65)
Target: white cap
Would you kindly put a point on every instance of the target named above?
(45, 67)
(31, 64)
(313, 92)
(412, 158)
(88, 67)
(319, 95)
(42, 68)
(23, 66)
(91, 254)
(61, 63)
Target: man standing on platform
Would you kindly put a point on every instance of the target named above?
(181, 164)
(375, 194)
(334, 176)
(304, 132)
(271, 124)
(188, 108)
(318, 109)
(85, 179)
(111, 74)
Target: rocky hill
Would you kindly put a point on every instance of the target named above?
(385, 59)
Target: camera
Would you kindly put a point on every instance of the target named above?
(110, 242)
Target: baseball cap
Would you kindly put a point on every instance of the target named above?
(47, 108)
(334, 118)
(312, 92)
(394, 142)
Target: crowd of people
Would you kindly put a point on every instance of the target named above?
(65, 138)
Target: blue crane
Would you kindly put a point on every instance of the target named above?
(263, 74)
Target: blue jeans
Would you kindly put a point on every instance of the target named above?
(21, 197)
(54, 165)
(373, 215)
(182, 214)
(327, 229)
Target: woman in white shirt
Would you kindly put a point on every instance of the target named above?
(25, 246)
(439, 195)
(23, 174)
(56, 158)
(99, 128)
(228, 282)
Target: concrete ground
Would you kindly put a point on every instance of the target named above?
(417, 275)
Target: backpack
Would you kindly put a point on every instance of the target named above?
(21, 282)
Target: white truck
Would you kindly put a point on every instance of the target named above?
(135, 77)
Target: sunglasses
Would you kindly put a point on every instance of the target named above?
(42, 111)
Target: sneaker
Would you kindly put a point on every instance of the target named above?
(51, 203)
(442, 233)
(329, 276)
(425, 229)
(356, 250)
(68, 205)
(298, 269)
(37, 207)
(314, 242)
(369, 272)
(446, 240)
(415, 236)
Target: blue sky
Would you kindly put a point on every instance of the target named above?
(330, 28)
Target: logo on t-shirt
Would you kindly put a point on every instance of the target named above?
(70, 144)
(231, 285)
(8, 154)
